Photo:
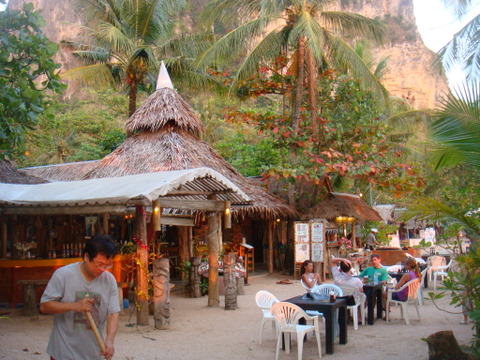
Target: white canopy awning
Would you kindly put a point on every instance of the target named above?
(193, 184)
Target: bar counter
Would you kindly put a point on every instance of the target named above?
(12, 271)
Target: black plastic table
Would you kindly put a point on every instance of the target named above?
(328, 311)
(373, 291)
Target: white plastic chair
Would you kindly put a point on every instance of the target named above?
(265, 300)
(420, 288)
(412, 286)
(441, 271)
(433, 264)
(287, 316)
(325, 289)
(360, 299)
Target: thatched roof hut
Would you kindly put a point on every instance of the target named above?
(10, 175)
(164, 135)
(341, 204)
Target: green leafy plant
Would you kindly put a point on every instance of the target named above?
(27, 75)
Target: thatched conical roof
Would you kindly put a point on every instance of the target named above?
(174, 149)
(340, 204)
(164, 107)
(10, 175)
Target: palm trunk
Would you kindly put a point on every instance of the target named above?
(299, 86)
(312, 98)
(132, 98)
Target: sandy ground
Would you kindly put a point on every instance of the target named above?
(198, 332)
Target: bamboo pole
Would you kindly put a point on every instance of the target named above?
(156, 214)
(4, 239)
(142, 266)
(227, 217)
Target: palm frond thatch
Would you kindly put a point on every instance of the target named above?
(164, 107)
(340, 204)
(10, 175)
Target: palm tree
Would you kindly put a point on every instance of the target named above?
(456, 129)
(270, 28)
(464, 48)
(129, 38)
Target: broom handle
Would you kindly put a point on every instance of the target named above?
(99, 338)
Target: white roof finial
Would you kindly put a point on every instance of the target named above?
(163, 80)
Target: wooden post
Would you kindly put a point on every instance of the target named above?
(183, 233)
(161, 293)
(213, 254)
(230, 281)
(270, 246)
(142, 266)
(105, 225)
(354, 235)
(4, 237)
(195, 277)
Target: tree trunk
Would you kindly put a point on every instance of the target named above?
(142, 266)
(230, 281)
(299, 86)
(443, 345)
(312, 87)
(132, 98)
(161, 293)
(213, 254)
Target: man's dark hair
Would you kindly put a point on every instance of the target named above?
(375, 256)
(345, 267)
(100, 244)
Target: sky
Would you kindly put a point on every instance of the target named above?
(436, 24)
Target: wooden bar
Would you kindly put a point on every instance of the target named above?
(270, 246)
(4, 238)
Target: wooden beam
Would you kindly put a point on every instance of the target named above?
(206, 205)
(64, 210)
(105, 223)
(142, 266)
(190, 193)
(177, 221)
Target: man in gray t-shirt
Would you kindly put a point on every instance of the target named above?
(75, 289)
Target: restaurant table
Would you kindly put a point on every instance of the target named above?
(328, 310)
(373, 291)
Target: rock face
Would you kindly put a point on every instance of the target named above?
(409, 74)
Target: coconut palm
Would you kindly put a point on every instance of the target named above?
(456, 129)
(464, 48)
(129, 37)
(304, 28)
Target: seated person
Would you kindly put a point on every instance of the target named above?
(310, 279)
(376, 268)
(413, 273)
(341, 272)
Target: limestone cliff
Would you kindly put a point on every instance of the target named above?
(409, 73)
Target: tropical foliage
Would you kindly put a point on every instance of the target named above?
(27, 75)
(304, 32)
(129, 38)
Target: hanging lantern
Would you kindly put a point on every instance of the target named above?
(156, 210)
(227, 215)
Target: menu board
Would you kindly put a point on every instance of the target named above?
(302, 241)
(317, 241)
